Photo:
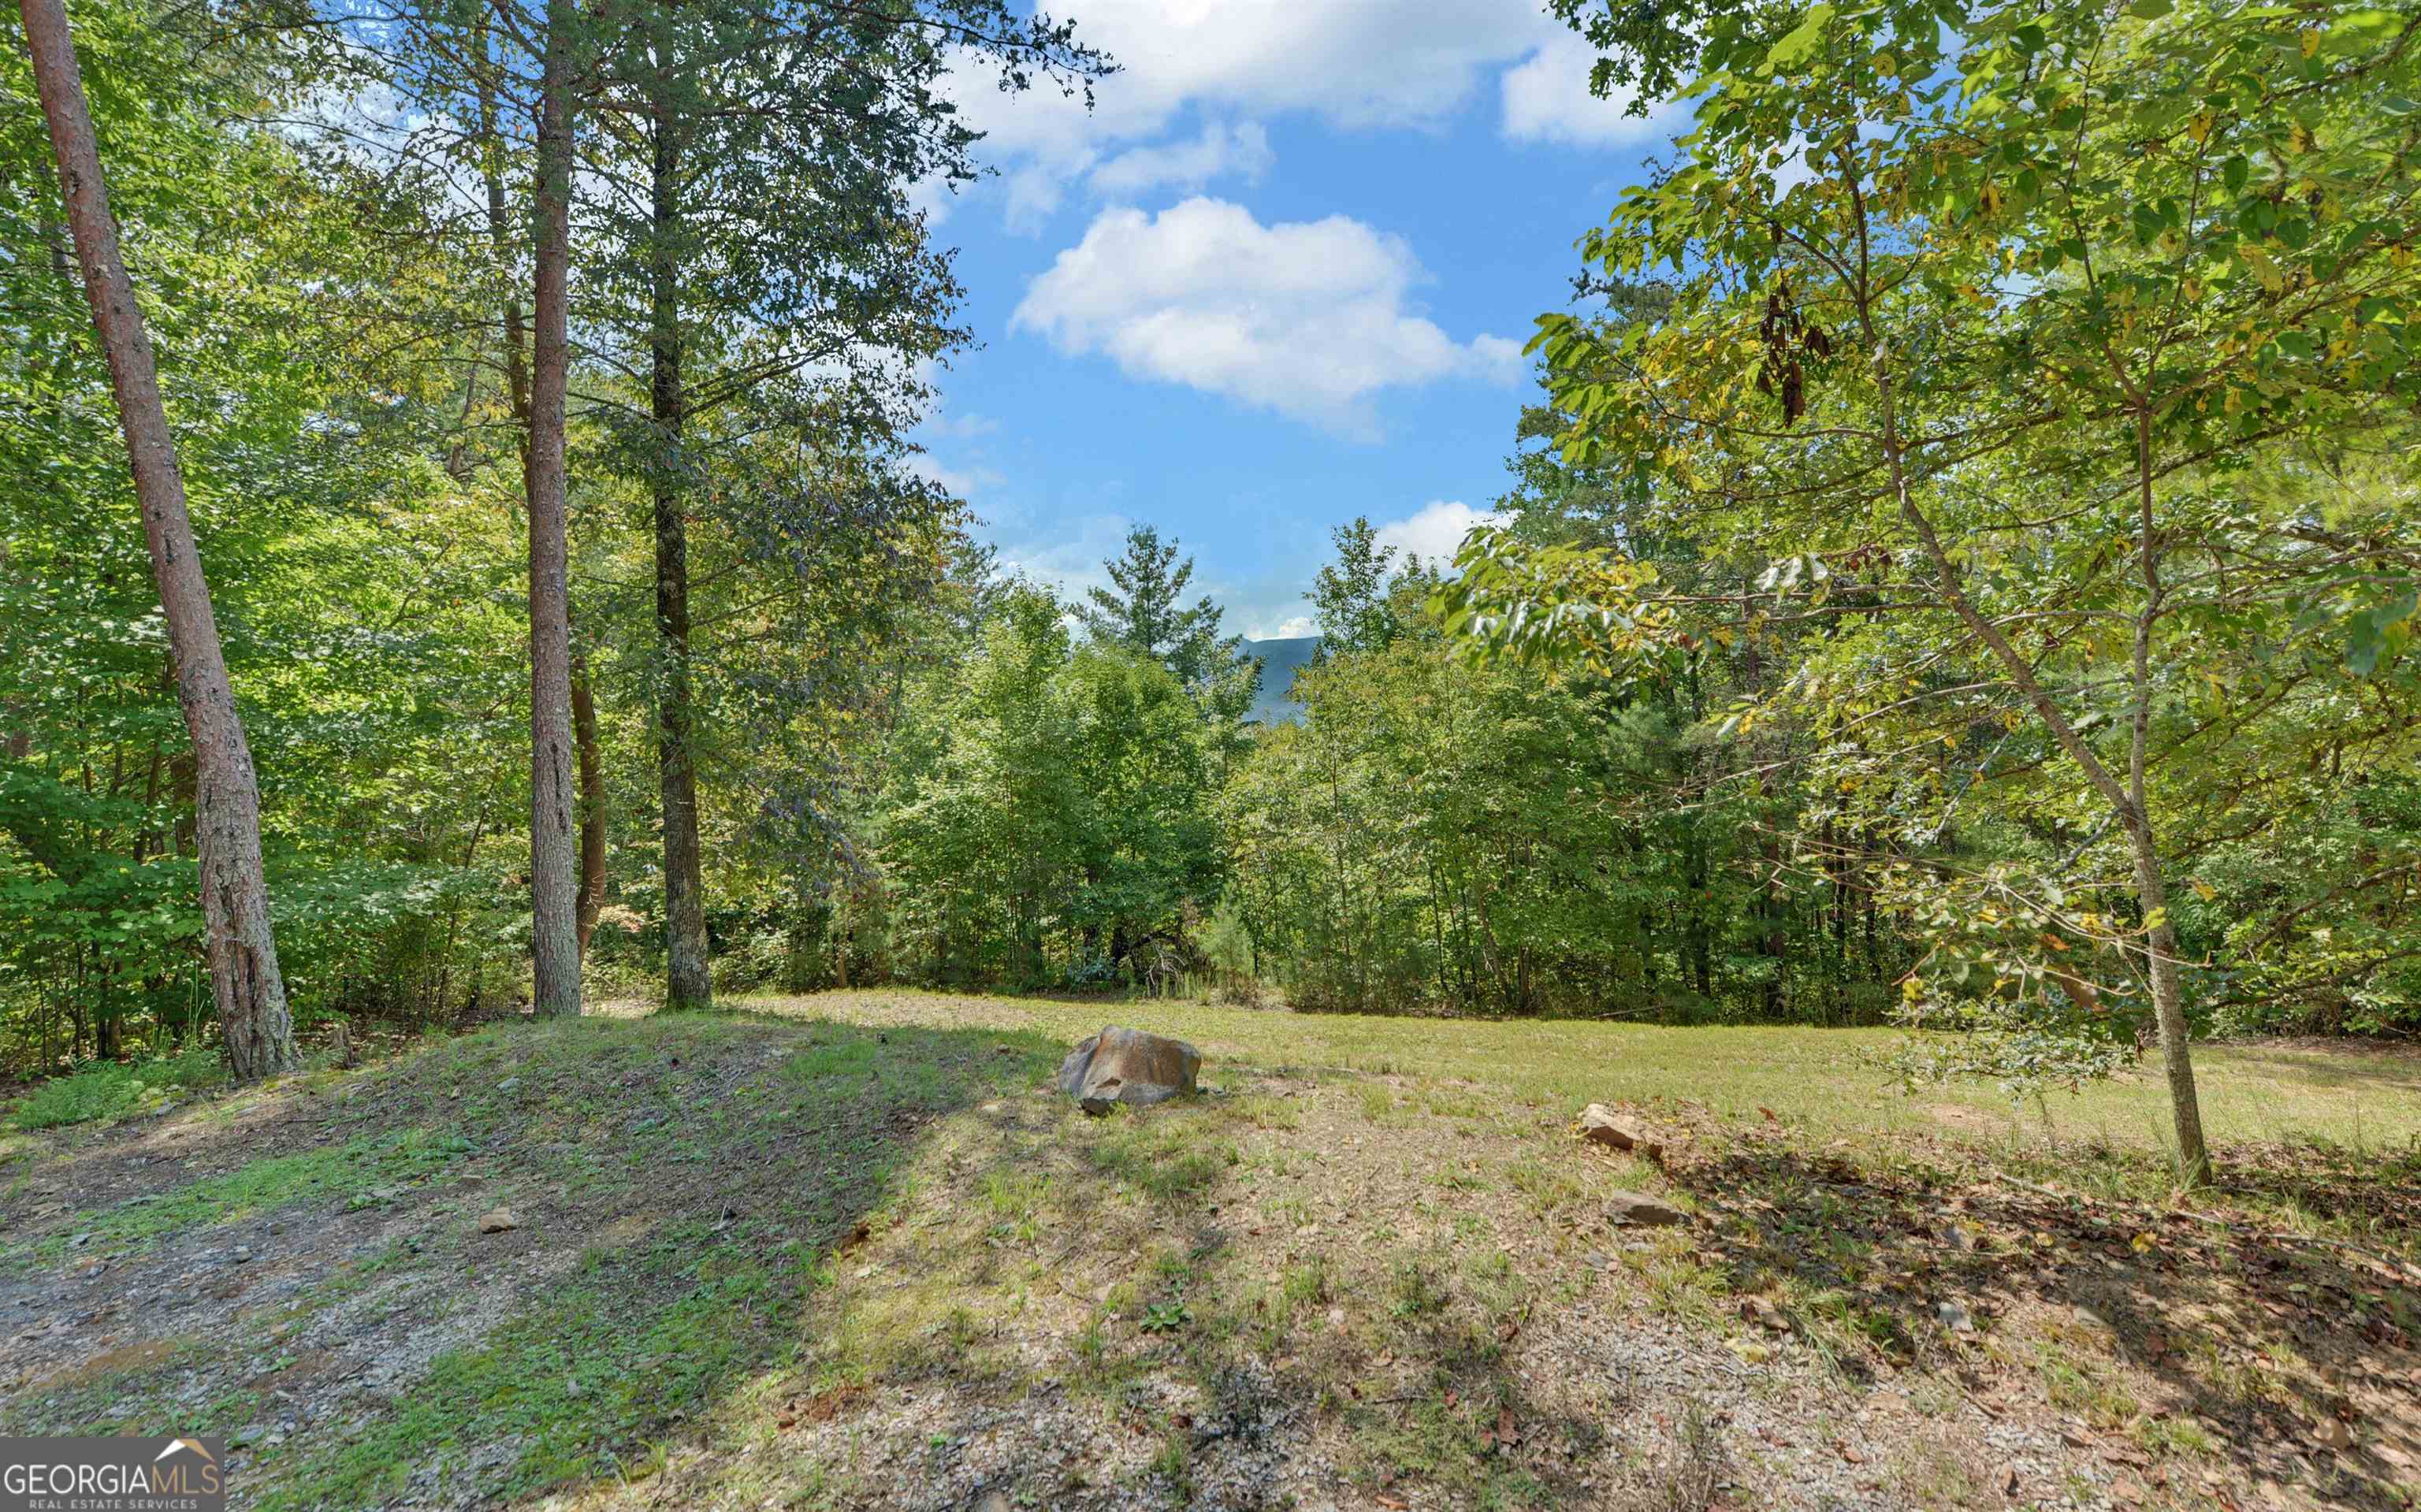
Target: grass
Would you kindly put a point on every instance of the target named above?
(788, 1255)
(1827, 1081)
(112, 1089)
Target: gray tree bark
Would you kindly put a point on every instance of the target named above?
(258, 1030)
(555, 870)
(688, 979)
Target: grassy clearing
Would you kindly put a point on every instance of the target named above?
(1825, 1080)
(845, 1252)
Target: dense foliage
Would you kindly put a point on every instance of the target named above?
(1960, 565)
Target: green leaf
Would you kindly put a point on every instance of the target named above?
(1801, 41)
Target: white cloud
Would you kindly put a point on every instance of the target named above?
(1242, 150)
(1294, 629)
(1547, 99)
(1500, 359)
(1308, 319)
(959, 482)
(1232, 64)
(1435, 532)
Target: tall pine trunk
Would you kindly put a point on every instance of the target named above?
(687, 980)
(554, 938)
(517, 388)
(244, 980)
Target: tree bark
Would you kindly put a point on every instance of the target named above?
(688, 982)
(257, 1029)
(555, 938)
(2152, 887)
(592, 801)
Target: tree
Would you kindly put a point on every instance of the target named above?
(1141, 611)
(771, 237)
(247, 987)
(1986, 370)
(554, 867)
(1350, 597)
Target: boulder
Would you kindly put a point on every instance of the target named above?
(1600, 1125)
(1128, 1065)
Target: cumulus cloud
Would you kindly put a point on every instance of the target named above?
(1434, 533)
(1547, 99)
(1308, 319)
(1355, 64)
(959, 482)
(1294, 628)
(1221, 151)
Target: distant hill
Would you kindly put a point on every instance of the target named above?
(1280, 662)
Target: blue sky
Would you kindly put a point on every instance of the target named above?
(1280, 276)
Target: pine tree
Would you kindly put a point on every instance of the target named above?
(1142, 612)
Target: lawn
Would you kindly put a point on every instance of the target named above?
(848, 1251)
(1831, 1079)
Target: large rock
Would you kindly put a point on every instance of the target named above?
(1128, 1065)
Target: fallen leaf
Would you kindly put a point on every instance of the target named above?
(1394, 1503)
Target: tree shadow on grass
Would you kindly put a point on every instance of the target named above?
(675, 1190)
(2159, 1338)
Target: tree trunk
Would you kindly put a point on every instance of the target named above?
(244, 980)
(687, 980)
(555, 938)
(2126, 803)
(2151, 888)
(592, 801)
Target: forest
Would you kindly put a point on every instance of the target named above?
(1974, 589)
(469, 555)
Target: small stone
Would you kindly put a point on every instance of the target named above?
(508, 1084)
(1954, 1317)
(497, 1219)
(1764, 1313)
(242, 1256)
(1600, 1125)
(1625, 1208)
(994, 1501)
